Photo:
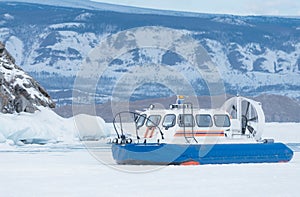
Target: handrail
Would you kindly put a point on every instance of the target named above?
(122, 136)
(185, 105)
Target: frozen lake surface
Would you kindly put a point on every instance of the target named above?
(74, 171)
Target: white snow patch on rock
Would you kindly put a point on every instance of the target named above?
(83, 17)
(66, 25)
(8, 16)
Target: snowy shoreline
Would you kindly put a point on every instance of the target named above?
(46, 127)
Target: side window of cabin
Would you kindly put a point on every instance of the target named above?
(141, 120)
(222, 120)
(169, 120)
(186, 120)
(153, 120)
(204, 120)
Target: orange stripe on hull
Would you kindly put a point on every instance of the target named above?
(201, 131)
(197, 135)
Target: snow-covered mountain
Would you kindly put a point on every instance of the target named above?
(19, 92)
(254, 54)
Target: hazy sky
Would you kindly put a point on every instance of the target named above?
(237, 7)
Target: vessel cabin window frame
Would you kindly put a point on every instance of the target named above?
(186, 120)
(169, 121)
(206, 120)
(141, 120)
(153, 120)
(222, 123)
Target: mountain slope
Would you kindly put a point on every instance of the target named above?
(254, 55)
(18, 91)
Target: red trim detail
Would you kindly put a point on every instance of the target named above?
(190, 163)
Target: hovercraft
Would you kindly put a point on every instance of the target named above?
(183, 135)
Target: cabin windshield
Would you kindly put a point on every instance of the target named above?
(141, 120)
(153, 120)
(222, 120)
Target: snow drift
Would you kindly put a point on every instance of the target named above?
(45, 126)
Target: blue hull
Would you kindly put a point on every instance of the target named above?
(176, 154)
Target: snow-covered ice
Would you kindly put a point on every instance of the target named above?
(77, 173)
(65, 167)
(48, 127)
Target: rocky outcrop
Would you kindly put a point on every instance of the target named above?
(19, 92)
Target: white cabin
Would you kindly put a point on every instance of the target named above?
(238, 120)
